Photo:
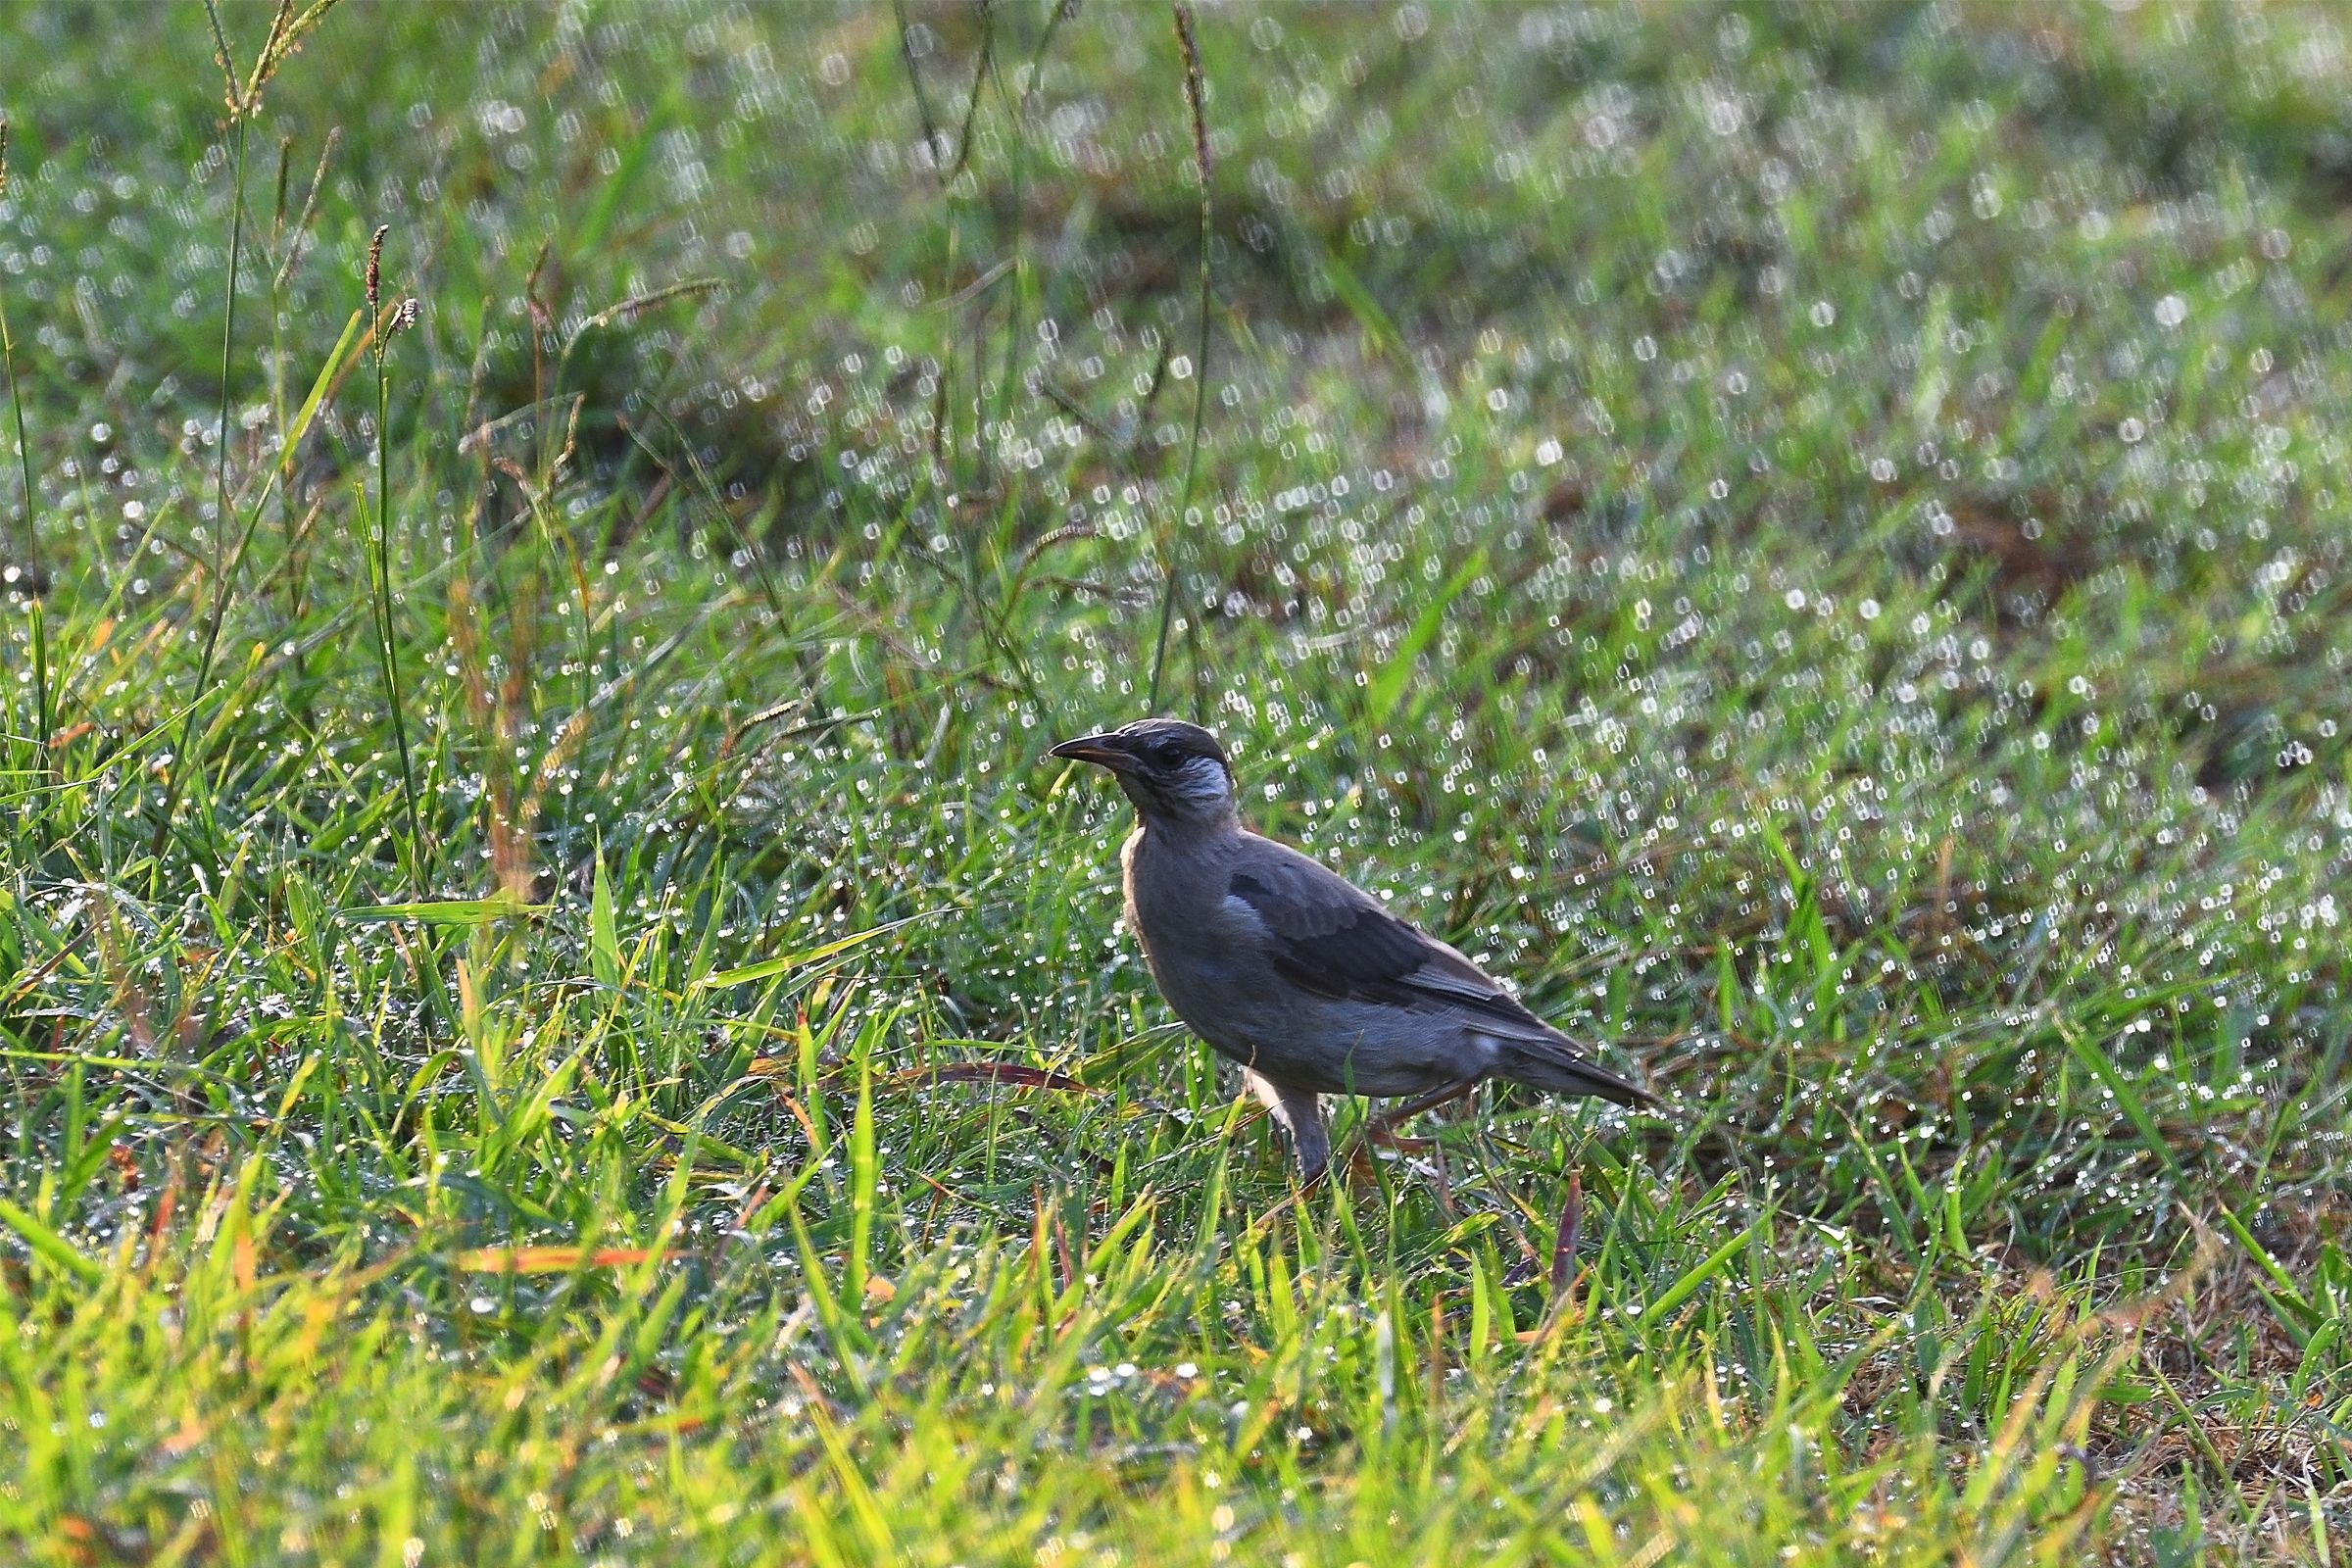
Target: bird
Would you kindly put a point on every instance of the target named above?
(1285, 966)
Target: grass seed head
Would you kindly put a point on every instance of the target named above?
(375, 268)
(1195, 92)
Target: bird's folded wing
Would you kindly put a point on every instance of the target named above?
(1329, 937)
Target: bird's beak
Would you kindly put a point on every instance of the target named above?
(1104, 751)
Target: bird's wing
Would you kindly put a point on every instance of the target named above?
(1329, 937)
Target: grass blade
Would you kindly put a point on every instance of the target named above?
(769, 969)
(47, 1244)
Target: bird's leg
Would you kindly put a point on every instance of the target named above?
(1299, 1115)
(1381, 1129)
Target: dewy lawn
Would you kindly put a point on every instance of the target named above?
(554, 1009)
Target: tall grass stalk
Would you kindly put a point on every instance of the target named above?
(288, 244)
(277, 277)
(34, 584)
(286, 29)
(183, 755)
(381, 555)
(1193, 97)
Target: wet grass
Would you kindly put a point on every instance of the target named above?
(551, 1009)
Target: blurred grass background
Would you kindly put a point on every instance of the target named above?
(1813, 538)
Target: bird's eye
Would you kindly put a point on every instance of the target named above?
(1167, 754)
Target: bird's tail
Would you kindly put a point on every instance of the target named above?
(1556, 1065)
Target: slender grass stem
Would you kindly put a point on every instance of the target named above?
(290, 246)
(36, 585)
(1192, 96)
(380, 555)
(184, 760)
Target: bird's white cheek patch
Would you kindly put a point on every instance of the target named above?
(1204, 782)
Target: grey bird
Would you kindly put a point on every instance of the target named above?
(1297, 974)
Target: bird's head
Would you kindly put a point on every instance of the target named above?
(1176, 774)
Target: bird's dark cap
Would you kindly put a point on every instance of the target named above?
(1162, 743)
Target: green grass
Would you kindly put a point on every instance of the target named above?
(580, 1027)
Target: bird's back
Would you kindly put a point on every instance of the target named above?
(1336, 938)
(1409, 1011)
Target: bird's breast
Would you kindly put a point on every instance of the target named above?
(1204, 967)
